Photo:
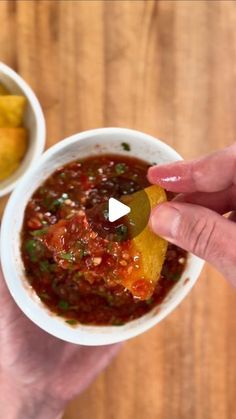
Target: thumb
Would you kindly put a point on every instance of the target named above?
(200, 231)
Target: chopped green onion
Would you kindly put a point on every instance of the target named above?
(31, 249)
(67, 256)
(125, 146)
(64, 305)
(57, 202)
(120, 168)
(40, 232)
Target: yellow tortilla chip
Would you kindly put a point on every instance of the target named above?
(150, 248)
(12, 110)
(3, 90)
(13, 143)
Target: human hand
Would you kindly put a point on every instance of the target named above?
(193, 220)
(39, 374)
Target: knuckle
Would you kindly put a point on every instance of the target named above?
(200, 235)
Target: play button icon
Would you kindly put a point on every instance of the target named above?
(117, 210)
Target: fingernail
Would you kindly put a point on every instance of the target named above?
(165, 220)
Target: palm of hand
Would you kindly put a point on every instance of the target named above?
(37, 360)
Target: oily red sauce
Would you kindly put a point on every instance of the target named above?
(73, 270)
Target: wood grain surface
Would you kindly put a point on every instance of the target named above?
(167, 68)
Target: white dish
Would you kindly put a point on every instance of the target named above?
(94, 142)
(33, 121)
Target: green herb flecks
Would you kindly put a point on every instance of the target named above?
(63, 305)
(67, 256)
(30, 247)
(120, 168)
(58, 202)
(125, 146)
(40, 232)
(34, 249)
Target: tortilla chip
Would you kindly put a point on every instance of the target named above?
(150, 247)
(12, 110)
(3, 90)
(13, 143)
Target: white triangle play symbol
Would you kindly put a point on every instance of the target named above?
(116, 210)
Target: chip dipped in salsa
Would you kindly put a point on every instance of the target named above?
(77, 272)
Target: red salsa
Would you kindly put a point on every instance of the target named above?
(72, 268)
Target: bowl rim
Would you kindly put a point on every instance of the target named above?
(66, 333)
(40, 130)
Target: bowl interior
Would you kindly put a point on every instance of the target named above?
(90, 143)
(33, 121)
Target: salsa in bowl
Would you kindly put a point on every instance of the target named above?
(63, 274)
(76, 272)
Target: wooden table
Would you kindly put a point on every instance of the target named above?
(167, 68)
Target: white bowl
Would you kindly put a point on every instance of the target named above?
(94, 142)
(33, 121)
